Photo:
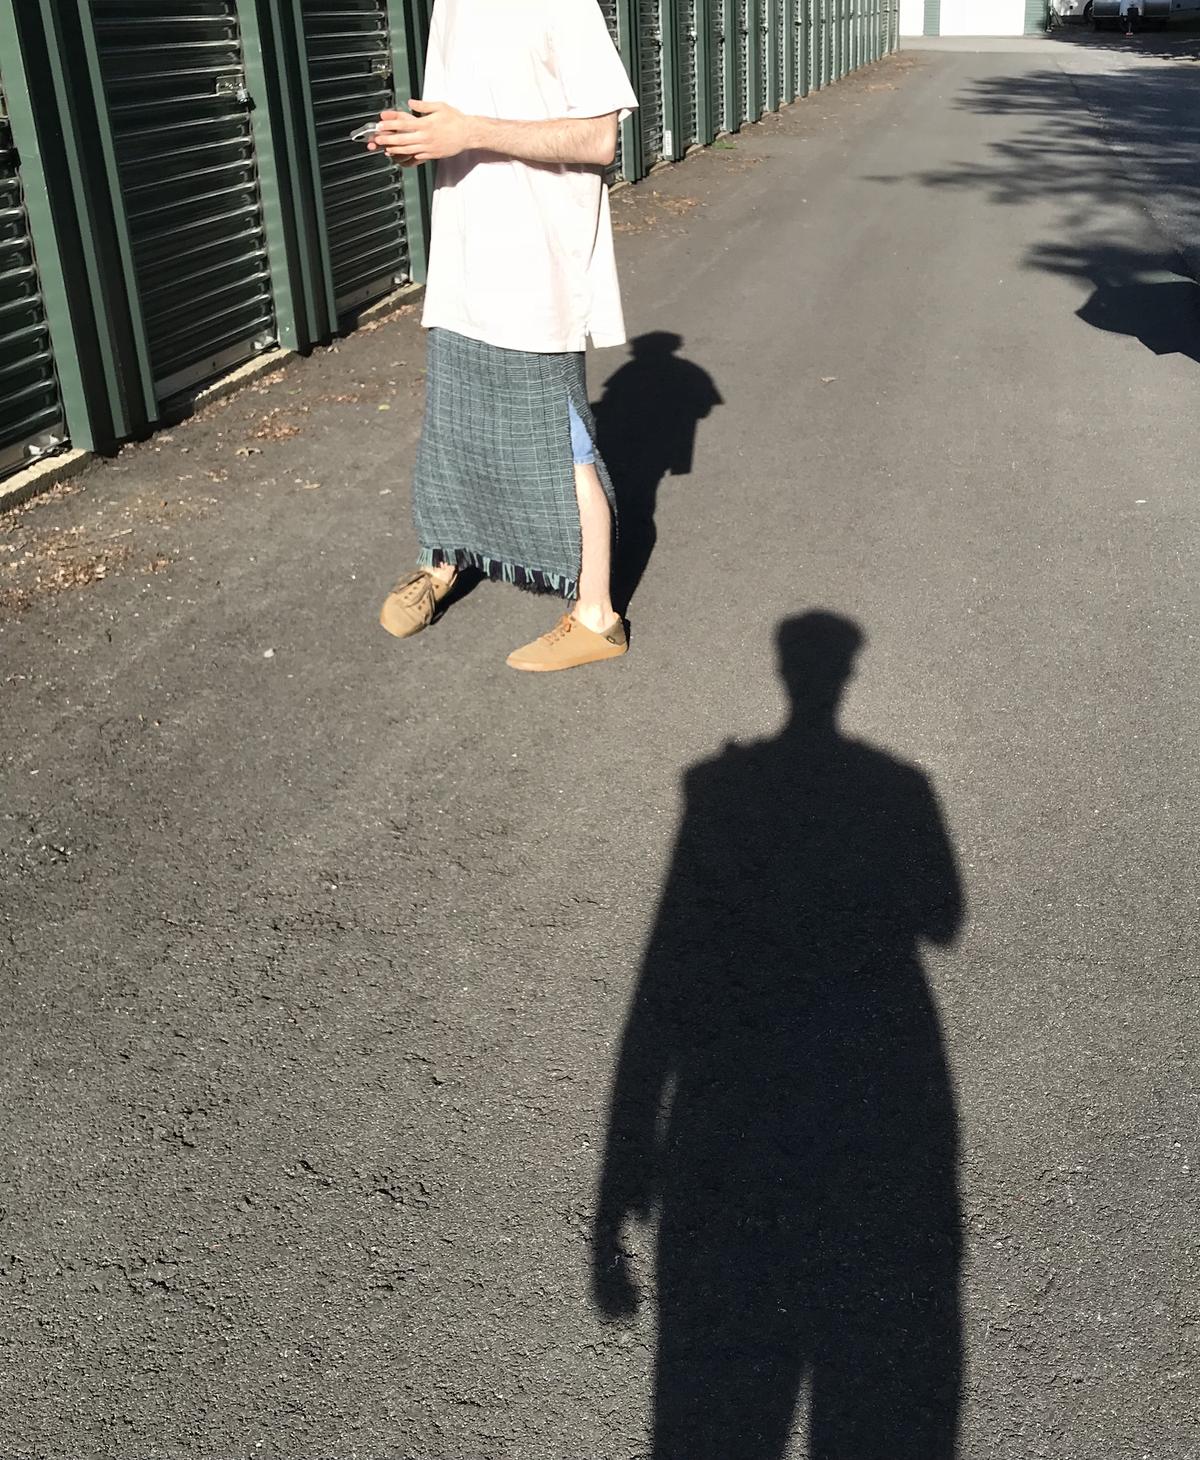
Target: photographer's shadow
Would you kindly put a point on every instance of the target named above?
(646, 426)
(783, 1110)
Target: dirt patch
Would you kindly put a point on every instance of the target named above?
(273, 427)
(53, 564)
(645, 210)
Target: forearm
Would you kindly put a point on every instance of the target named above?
(578, 141)
(433, 130)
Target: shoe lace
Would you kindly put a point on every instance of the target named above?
(414, 588)
(560, 630)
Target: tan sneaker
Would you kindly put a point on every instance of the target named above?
(412, 603)
(568, 645)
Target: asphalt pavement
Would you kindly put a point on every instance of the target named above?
(399, 1052)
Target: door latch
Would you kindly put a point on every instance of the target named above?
(234, 86)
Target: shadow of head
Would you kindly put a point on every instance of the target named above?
(657, 342)
(816, 656)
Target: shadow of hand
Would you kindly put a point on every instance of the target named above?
(616, 1294)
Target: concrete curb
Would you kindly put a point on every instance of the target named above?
(41, 477)
(47, 473)
(230, 384)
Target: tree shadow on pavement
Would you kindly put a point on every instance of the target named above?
(1107, 147)
(783, 1110)
(1174, 42)
(646, 424)
(1075, 121)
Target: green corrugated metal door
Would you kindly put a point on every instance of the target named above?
(689, 107)
(765, 59)
(608, 8)
(743, 61)
(650, 80)
(779, 48)
(349, 48)
(31, 415)
(184, 159)
(814, 45)
(835, 39)
(718, 59)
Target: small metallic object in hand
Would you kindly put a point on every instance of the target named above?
(364, 134)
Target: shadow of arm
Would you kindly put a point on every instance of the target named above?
(939, 891)
(630, 1179)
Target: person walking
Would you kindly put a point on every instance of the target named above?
(524, 99)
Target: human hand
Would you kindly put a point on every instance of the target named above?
(429, 132)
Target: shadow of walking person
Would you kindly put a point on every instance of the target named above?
(1145, 296)
(1162, 313)
(646, 429)
(783, 1107)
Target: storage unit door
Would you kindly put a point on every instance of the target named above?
(180, 119)
(744, 39)
(718, 59)
(650, 80)
(349, 49)
(31, 415)
(764, 55)
(818, 44)
(779, 42)
(608, 8)
(689, 100)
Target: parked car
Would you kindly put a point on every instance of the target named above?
(1109, 14)
(1066, 12)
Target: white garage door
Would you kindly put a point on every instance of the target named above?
(983, 17)
(912, 17)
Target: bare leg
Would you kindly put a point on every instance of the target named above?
(594, 608)
(443, 573)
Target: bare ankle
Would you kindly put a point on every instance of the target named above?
(595, 616)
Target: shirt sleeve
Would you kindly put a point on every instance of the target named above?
(588, 64)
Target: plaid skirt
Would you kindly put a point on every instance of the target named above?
(495, 477)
